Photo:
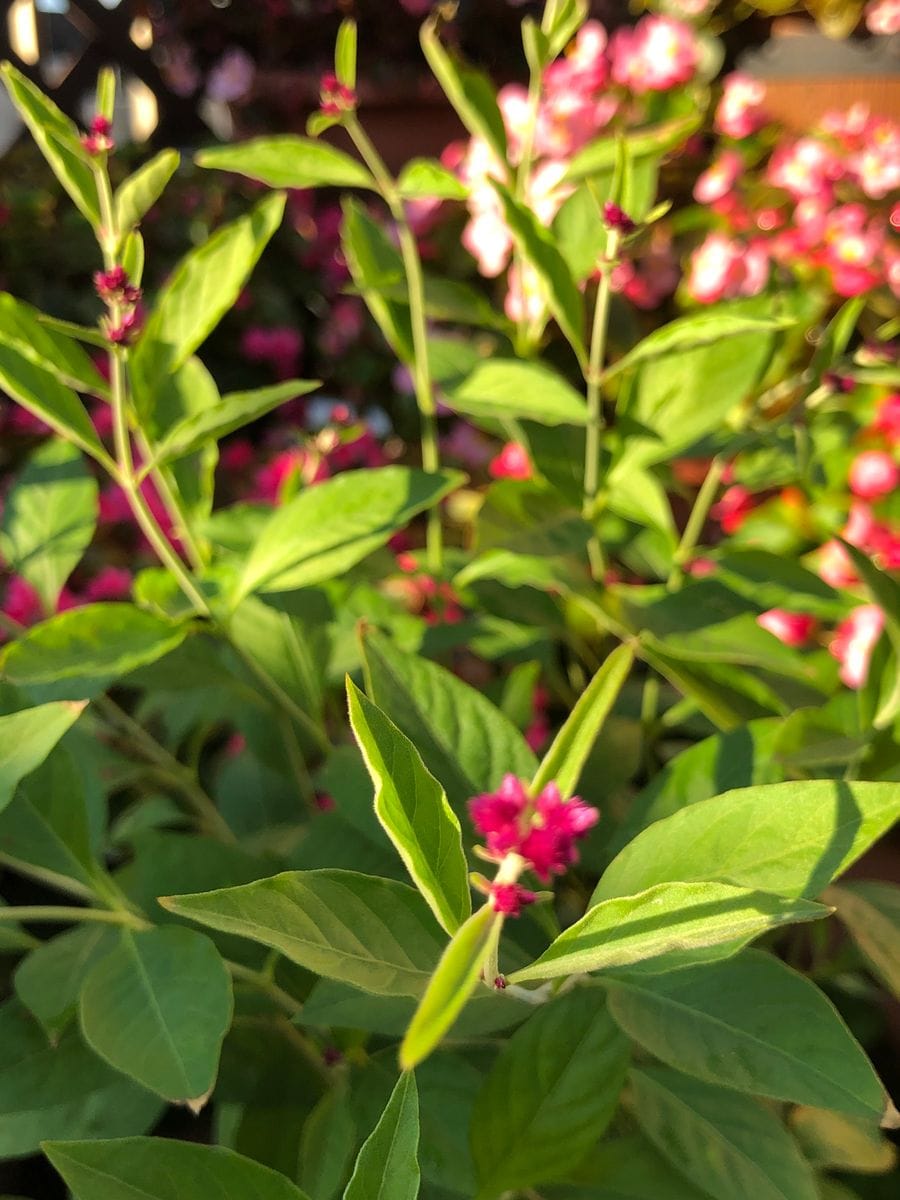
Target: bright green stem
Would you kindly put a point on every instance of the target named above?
(695, 522)
(415, 285)
(64, 913)
(595, 424)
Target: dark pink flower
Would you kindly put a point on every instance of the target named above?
(335, 97)
(617, 218)
(510, 898)
(98, 140)
(110, 583)
(854, 641)
(498, 815)
(511, 463)
(734, 507)
(873, 474)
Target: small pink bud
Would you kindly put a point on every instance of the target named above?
(873, 474)
(500, 983)
(511, 463)
(98, 140)
(510, 898)
(617, 218)
(794, 629)
(335, 97)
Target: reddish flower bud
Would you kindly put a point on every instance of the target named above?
(510, 898)
(98, 140)
(335, 97)
(128, 326)
(113, 287)
(617, 218)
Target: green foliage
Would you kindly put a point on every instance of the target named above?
(387, 1167)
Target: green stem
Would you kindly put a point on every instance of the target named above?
(176, 773)
(172, 503)
(595, 423)
(695, 522)
(64, 913)
(415, 283)
(263, 983)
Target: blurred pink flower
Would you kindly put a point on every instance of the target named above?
(657, 54)
(719, 179)
(232, 76)
(740, 111)
(873, 474)
(853, 643)
(792, 628)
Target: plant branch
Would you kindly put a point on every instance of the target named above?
(695, 522)
(595, 423)
(64, 913)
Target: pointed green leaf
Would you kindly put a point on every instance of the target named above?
(331, 526)
(202, 289)
(140, 191)
(424, 178)
(694, 332)
(727, 1144)
(327, 1145)
(538, 247)
(232, 411)
(665, 918)
(464, 741)
(58, 140)
(49, 518)
(51, 344)
(345, 53)
(288, 161)
(163, 1169)
(752, 1024)
(832, 1141)
(550, 1094)
(455, 978)
(871, 913)
(790, 839)
(501, 388)
(27, 737)
(387, 1167)
(567, 755)
(413, 809)
(469, 91)
(600, 155)
(561, 21)
(157, 1008)
(374, 933)
(26, 377)
(377, 270)
(78, 653)
(48, 981)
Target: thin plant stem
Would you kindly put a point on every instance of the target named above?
(172, 504)
(695, 522)
(264, 983)
(422, 381)
(62, 913)
(175, 772)
(595, 422)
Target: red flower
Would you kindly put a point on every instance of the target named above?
(498, 815)
(510, 898)
(98, 140)
(335, 97)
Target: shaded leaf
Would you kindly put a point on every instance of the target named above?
(387, 1167)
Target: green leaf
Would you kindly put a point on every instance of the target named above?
(331, 526)
(832, 1141)
(133, 257)
(468, 90)
(464, 741)
(49, 518)
(566, 757)
(834, 340)
(345, 55)
(157, 1008)
(105, 101)
(52, 345)
(387, 1167)
(561, 21)
(752, 1024)
(203, 287)
(549, 1096)
(503, 388)
(58, 140)
(27, 737)
(36, 387)
(79, 653)
(231, 412)
(288, 161)
(600, 155)
(729, 1145)
(413, 809)
(453, 982)
(48, 981)
(140, 191)
(327, 1145)
(163, 1169)
(580, 231)
(871, 913)
(668, 917)
(694, 332)
(377, 270)
(374, 933)
(787, 838)
(426, 179)
(538, 247)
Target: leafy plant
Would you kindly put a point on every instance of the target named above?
(339, 931)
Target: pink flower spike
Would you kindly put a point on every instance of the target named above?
(98, 140)
(498, 815)
(335, 97)
(617, 218)
(794, 629)
(510, 898)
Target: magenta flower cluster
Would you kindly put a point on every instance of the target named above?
(543, 830)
